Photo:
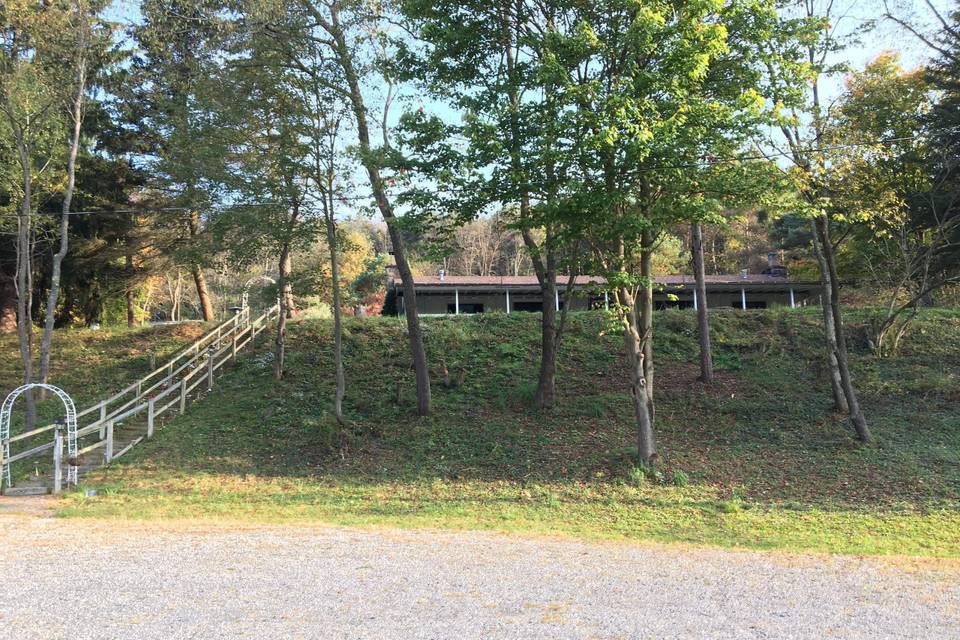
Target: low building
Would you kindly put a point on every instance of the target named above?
(443, 294)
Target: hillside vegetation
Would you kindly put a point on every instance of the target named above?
(91, 364)
(755, 460)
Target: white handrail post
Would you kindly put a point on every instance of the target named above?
(183, 394)
(57, 460)
(108, 448)
(210, 357)
(103, 418)
(150, 418)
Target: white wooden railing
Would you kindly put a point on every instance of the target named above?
(165, 388)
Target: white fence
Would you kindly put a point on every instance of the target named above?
(165, 388)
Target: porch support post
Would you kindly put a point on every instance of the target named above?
(508, 300)
(743, 298)
(456, 301)
(793, 303)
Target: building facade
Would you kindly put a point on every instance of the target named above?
(442, 294)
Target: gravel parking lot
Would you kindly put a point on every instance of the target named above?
(98, 579)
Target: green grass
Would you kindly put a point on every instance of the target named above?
(90, 365)
(756, 460)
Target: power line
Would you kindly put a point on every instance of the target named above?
(707, 162)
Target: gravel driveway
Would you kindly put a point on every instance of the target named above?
(114, 580)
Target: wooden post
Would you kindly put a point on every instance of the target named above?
(793, 303)
(556, 295)
(233, 347)
(508, 300)
(150, 418)
(183, 394)
(57, 460)
(210, 356)
(743, 298)
(695, 301)
(153, 362)
(108, 448)
(456, 301)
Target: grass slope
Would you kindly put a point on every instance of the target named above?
(91, 365)
(755, 460)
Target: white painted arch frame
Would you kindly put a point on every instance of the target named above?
(71, 419)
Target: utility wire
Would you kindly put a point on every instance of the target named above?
(705, 163)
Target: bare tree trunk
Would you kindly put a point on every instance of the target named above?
(345, 59)
(829, 328)
(831, 281)
(131, 309)
(203, 294)
(287, 293)
(646, 443)
(337, 314)
(703, 317)
(545, 266)
(8, 304)
(76, 114)
(24, 281)
(646, 315)
(280, 342)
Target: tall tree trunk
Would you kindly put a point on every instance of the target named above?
(24, 280)
(280, 341)
(341, 384)
(76, 115)
(832, 281)
(345, 59)
(829, 327)
(8, 303)
(286, 269)
(545, 266)
(646, 443)
(646, 315)
(131, 308)
(703, 317)
(203, 294)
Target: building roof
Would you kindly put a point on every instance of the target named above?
(586, 281)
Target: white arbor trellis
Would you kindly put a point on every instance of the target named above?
(245, 299)
(70, 422)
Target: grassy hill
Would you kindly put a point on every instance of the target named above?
(90, 364)
(754, 460)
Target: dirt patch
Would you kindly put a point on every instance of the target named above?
(682, 377)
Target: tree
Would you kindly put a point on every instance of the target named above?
(703, 319)
(169, 99)
(45, 55)
(493, 63)
(885, 185)
(340, 30)
(794, 61)
(655, 90)
(85, 44)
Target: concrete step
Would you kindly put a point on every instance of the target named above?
(29, 490)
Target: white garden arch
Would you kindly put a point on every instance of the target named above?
(71, 425)
(245, 299)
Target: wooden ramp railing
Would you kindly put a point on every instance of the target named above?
(117, 424)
